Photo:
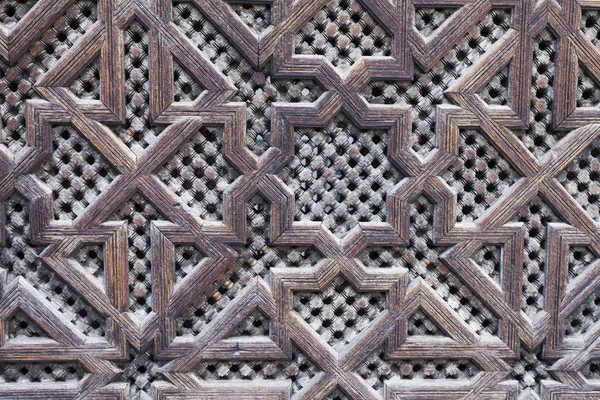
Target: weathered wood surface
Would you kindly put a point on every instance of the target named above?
(310, 199)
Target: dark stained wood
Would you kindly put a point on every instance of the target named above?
(311, 199)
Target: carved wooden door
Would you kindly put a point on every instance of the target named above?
(309, 199)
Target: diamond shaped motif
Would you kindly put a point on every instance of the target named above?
(76, 172)
(479, 176)
(199, 173)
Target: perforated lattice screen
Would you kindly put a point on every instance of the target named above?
(299, 199)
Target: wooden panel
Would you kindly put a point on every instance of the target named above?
(309, 199)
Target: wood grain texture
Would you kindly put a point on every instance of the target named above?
(310, 199)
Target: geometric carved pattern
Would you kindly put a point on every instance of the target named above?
(76, 173)
(257, 16)
(479, 176)
(343, 31)
(308, 199)
(496, 91)
(87, 85)
(338, 313)
(427, 20)
(341, 176)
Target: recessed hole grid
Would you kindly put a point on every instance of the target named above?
(76, 172)
(375, 370)
(21, 258)
(87, 84)
(199, 173)
(256, 258)
(422, 259)
(581, 178)
(343, 31)
(12, 11)
(339, 312)
(300, 370)
(428, 20)
(17, 79)
(139, 214)
(479, 175)
(257, 16)
(540, 136)
(536, 216)
(341, 175)
(426, 90)
(255, 86)
(137, 132)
